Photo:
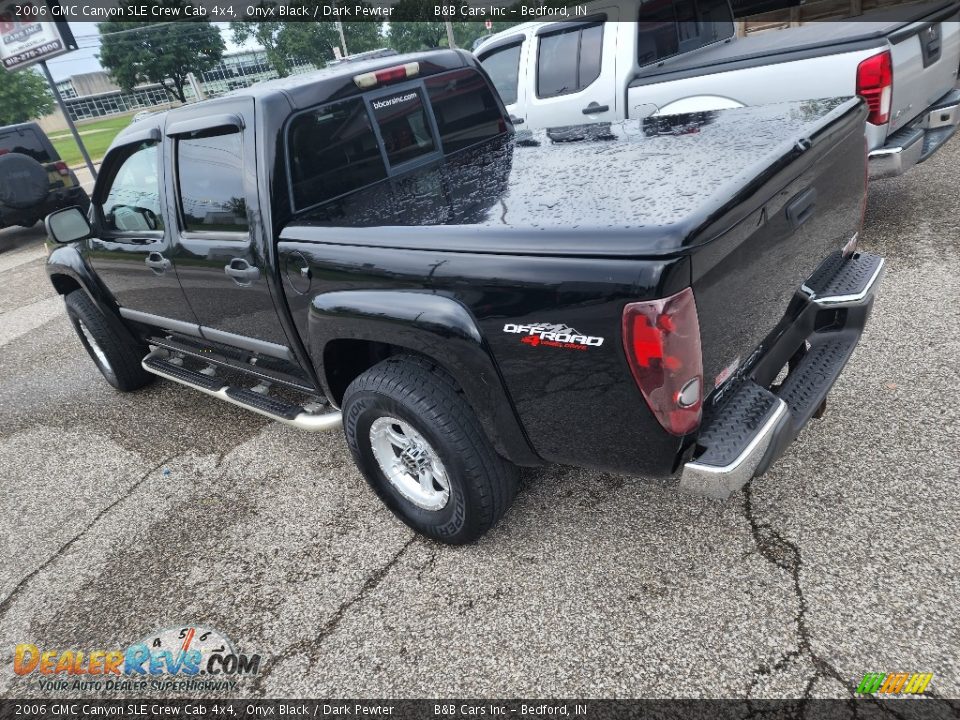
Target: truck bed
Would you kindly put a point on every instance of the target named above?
(668, 180)
(741, 205)
(808, 41)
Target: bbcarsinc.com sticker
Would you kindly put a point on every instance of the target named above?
(177, 659)
(555, 336)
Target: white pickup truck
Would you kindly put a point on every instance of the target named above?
(636, 58)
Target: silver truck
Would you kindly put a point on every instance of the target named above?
(635, 58)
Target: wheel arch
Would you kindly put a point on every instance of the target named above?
(352, 330)
(69, 272)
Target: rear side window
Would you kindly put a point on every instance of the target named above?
(25, 141)
(210, 174)
(569, 60)
(402, 121)
(503, 67)
(465, 109)
(670, 27)
(332, 151)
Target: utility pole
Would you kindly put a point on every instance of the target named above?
(66, 115)
(450, 41)
(343, 38)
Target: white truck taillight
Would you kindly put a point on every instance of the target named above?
(661, 339)
(387, 75)
(875, 85)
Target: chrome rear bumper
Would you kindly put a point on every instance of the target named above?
(912, 145)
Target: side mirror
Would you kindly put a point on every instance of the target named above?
(68, 225)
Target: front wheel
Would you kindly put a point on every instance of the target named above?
(422, 449)
(118, 358)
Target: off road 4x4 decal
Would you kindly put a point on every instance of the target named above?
(556, 336)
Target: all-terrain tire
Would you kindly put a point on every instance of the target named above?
(415, 391)
(117, 357)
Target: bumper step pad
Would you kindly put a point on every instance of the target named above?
(735, 441)
(754, 425)
(729, 432)
(934, 139)
(807, 386)
(158, 362)
(838, 280)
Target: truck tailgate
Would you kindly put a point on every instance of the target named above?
(925, 58)
(745, 278)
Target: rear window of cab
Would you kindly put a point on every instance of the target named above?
(341, 147)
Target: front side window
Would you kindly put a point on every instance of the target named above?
(332, 151)
(133, 201)
(503, 67)
(465, 110)
(569, 61)
(210, 177)
(403, 125)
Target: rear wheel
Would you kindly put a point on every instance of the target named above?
(118, 358)
(423, 451)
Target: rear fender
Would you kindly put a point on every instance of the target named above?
(432, 325)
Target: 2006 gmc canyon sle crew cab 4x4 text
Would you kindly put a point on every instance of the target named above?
(373, 242)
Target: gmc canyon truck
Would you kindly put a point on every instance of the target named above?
(373, 246)
(633, 58)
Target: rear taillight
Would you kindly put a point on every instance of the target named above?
(387, 75)
(662, 341)
(875, 85)
(62, 168)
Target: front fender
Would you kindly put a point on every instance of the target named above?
(68, 271)
(66, 261)
(435, 326)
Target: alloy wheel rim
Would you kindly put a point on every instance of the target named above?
(95, 346)
(410, 463)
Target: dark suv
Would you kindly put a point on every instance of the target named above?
(34, 181)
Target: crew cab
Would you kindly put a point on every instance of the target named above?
(372, 246)
(634, 58)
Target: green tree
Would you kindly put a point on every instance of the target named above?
(165, 53)
(410, 33)
(23, 96)
(311, 42)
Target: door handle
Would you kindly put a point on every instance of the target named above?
(517, 120)
(157, 262)
(242, 272)
(593, 108)
(801, 207)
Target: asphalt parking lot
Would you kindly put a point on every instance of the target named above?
(123, 515)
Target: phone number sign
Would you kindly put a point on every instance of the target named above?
(24, 40)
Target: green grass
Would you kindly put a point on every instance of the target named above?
(96, 135)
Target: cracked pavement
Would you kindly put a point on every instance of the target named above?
(125, 514)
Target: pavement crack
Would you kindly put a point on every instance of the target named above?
(786, 555)
(7, 602)
(311, 646)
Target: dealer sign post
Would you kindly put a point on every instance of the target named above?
(25, 41)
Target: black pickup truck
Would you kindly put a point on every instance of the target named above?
(375, 246)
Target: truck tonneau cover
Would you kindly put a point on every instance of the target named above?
(814, 39)
(637, 190)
